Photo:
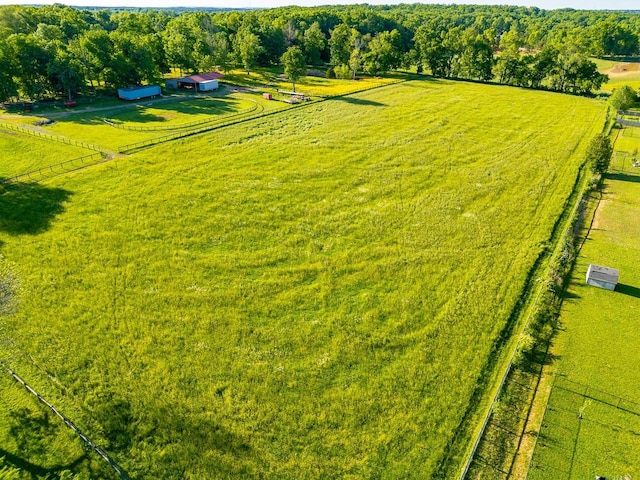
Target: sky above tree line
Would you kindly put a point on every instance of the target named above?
(546, 4)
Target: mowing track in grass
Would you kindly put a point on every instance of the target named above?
(309, 295)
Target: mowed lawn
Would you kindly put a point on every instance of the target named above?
(599, 347)
(309, 295)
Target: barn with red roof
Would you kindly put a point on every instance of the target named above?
(201, 82)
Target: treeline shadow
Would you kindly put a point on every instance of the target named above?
(623, 177)
(34, 470)
(29, 208)
(359, 101)
(143, 112)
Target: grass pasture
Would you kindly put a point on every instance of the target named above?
(310, 85)
(309, 295)
(598, 346)
(24, 153)
(176, 115)
(132, 123)
(620, 73)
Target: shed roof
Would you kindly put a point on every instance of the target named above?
(202, 77)
(603, 274)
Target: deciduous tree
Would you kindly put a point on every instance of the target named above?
(294, 65)
(623, 98)
(314, 43)
(247, 45)
(599, 153)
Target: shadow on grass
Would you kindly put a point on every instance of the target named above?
(570, 295)
(184, 105)
(536, 359)
(29, 208)
(143, 111)
(360, 101)
(623, 177)
(628, 290)
(36, 470)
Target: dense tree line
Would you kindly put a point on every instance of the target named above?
(60, 51)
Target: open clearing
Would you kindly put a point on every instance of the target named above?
(620, 73)
(597, 348)
(313, 294)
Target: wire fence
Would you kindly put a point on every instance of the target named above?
(48, 136)
(56, 169)
(563, 416)
(532, 309)
(598, 395)
(188, 125)
(123, 475)
(131, 147)
(631, 132)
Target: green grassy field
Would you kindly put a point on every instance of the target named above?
(149, 120)
(23, 153)
(598, 346)
(272, 79)
(175, 115)
(309, 295)
(620, 73)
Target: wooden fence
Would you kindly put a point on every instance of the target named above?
(56, 169)
(48, 136)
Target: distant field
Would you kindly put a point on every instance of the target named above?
(315, 86)
(309, 295)
(620, 73)
(599, 346)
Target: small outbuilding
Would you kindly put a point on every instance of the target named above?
(202, 82)
(138, 93)
(171, 83)
(603, 277)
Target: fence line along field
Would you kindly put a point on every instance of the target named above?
(592, 422)
(313, 294)
(23, 153)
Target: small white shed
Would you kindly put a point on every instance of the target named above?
(603, 277)
(207, 85)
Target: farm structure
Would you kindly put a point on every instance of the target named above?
(603, 277)
(203, 82)
(137, 93)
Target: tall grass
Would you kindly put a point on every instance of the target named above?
(311, 295)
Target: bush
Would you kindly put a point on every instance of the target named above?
(343, 72)
(331, 73)
(623, 98)
(599, 153)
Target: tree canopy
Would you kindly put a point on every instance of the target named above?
(62, 51)
(623, 98)
(294, 65)
(599, 153)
